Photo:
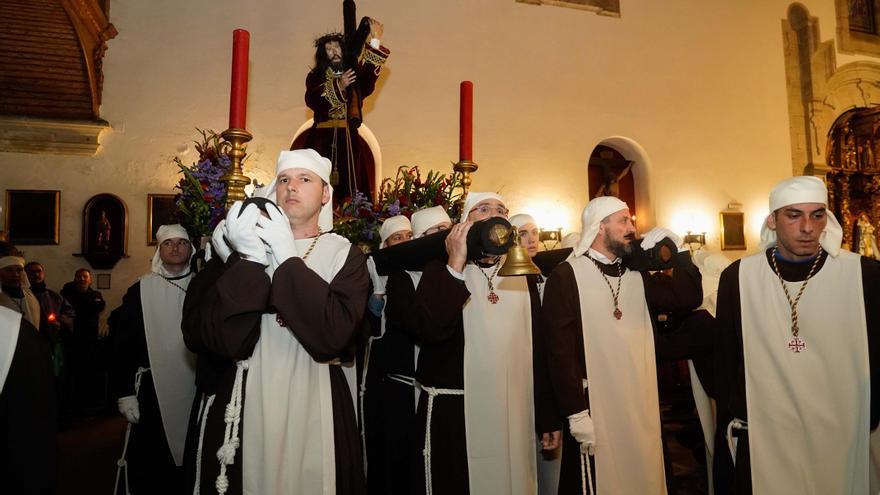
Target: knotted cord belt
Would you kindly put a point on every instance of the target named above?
(122, 463)
(426, 452)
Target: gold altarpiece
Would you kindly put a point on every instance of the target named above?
(853, 157)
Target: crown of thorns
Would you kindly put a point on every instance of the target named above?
(326, 38)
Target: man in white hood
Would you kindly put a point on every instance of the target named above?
(153, 372)
(286, 308)
(798, 356)
(600, 349)
(476, 412)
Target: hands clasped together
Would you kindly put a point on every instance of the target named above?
(255, 235)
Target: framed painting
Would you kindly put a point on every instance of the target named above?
(33, 217)
(103, 281)
(733, 235)
(161, 210)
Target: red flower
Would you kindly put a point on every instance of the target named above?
(363, 212)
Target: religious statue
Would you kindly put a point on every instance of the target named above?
(864, 239)
(346, 69)
(103, 238)
(611, 180)
(850, 155)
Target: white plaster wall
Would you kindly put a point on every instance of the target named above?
(699, 85)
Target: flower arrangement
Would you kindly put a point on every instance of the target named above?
(201, 200)
(359, 219)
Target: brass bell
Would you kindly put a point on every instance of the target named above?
(518, 261)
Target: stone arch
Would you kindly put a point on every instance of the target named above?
(818, 90)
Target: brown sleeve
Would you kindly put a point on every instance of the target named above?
(564, 341)
(433, 312)
(223, 308)
(683, 291)
(324, 317)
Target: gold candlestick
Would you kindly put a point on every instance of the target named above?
(235, 179)
(465, 168)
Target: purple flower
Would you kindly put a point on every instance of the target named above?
(394, 209)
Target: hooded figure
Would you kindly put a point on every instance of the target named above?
(153, 371)
(15, 290)
(797, 356)
(281, 315)
(599, 340)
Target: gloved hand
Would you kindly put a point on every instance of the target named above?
(128, 406)
(582, 429)
(242, 235)
(657, 234)
(275, 232)
(219, 243)
(379, 281)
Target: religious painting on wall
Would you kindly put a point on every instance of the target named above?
(104, 231)
(161, 210)
(861, 16)
(733, 234)
(601, 7)
(32, 217)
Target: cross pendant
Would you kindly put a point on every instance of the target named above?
(493, 297)
(796, 344)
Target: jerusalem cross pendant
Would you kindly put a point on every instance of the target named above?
(618, 314)
(796, 344)
(493, 297)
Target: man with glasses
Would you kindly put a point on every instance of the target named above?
(475, 420)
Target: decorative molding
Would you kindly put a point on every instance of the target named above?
(609, 8)
(64, 137)
(94, 31)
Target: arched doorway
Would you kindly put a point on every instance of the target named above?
(612, 156)
(853, 158)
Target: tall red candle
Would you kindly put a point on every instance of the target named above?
(466, 123)
(238, 93)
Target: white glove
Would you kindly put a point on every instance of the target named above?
(379, 281)
(242, 235)
(128, 406)
(219, 243)
(275, 232)
(657, 234)
(582, 429)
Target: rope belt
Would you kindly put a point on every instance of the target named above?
(122, 463)
(406, 380)
(586, 474)
(739, 425)
(332, 124)
(232, 418)
(426, 452)
(204, 408)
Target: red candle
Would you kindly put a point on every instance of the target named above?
(466, 123)
(238, 93)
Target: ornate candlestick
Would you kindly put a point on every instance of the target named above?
(236, 134)
(235, 179)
